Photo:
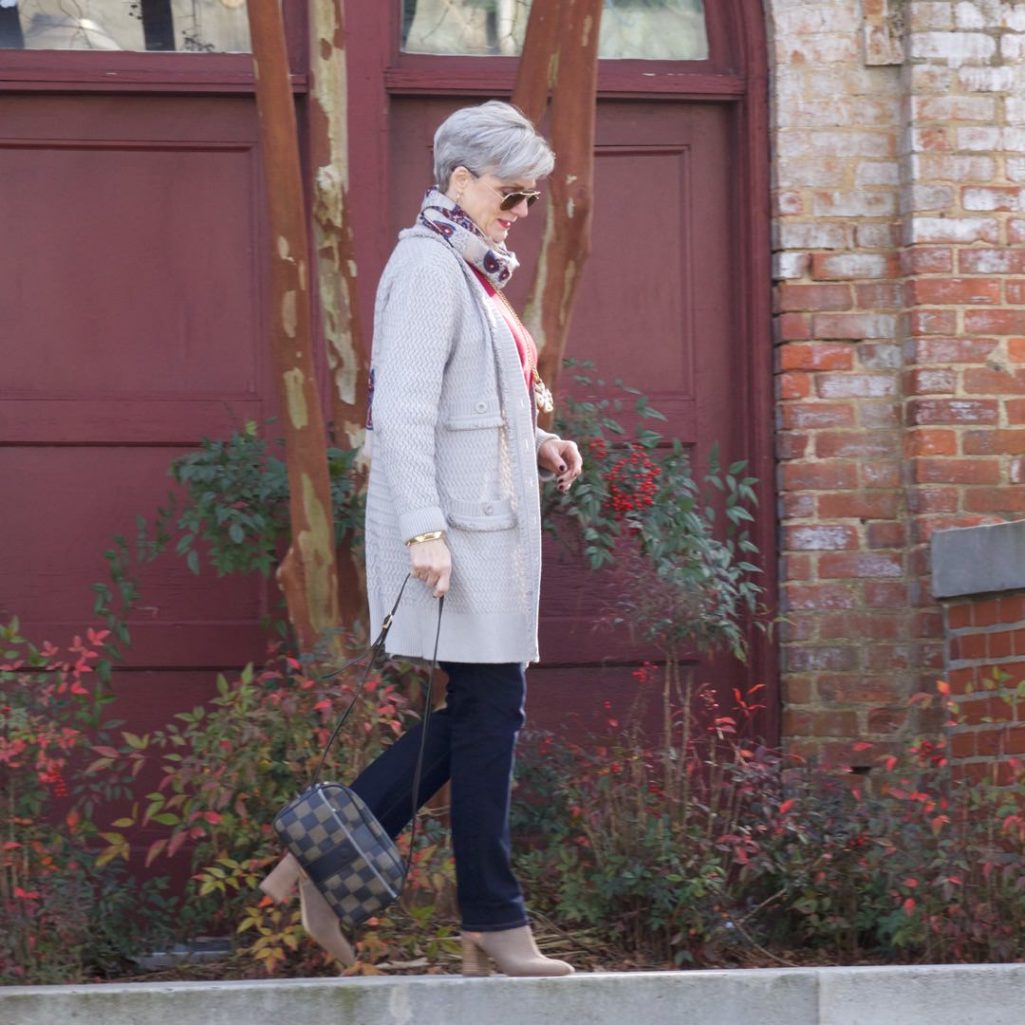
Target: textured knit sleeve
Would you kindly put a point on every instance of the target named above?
(418, 319)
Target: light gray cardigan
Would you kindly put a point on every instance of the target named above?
(454, 448)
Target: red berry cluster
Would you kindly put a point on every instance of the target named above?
(632, 481)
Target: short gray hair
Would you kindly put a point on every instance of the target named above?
(493, 138)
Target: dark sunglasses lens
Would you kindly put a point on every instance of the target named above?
(515, 198)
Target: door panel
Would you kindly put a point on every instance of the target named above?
(131, 284)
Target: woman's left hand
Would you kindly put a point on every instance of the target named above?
(563, 459)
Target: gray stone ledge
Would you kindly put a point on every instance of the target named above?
(920, 995)
(978, 560)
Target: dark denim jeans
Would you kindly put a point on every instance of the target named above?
(470, 741)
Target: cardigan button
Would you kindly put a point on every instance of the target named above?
(488, 508)
(482, 407)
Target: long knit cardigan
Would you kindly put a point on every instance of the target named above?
(453, 447)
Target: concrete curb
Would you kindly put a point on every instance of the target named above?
(932, 995)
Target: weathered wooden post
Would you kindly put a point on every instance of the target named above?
(307, 575)
(561, 51)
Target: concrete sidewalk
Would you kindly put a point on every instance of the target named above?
(940, 995)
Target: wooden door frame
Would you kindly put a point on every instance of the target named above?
(736, 73)
(141, 71)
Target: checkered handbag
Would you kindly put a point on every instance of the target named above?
(343, 849)
(335, 837)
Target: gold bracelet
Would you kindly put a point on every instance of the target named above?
(431, 535)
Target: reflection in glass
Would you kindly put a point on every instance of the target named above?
(646, 29)
(197, 26)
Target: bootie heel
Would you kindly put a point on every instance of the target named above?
(282, 879)
(513, 951)
(322, 924)
(475, 962)
(319, 921)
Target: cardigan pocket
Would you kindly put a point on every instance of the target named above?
(488, 514)
(475, 416)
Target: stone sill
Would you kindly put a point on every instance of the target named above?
(918, 995)
(978, 560)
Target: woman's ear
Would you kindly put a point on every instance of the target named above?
(457, 182)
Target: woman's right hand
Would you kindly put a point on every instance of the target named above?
(431, 562)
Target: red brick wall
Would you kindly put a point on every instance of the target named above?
(899, 165)
(985, 636)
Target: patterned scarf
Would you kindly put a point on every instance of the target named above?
(455, 226)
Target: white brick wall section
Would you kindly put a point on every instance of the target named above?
(955, 48)
(950, 229)
(985, 199)
(790, 265)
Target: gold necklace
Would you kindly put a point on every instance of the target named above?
(542, 393)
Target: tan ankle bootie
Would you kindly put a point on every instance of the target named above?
(513, 951)
(317, 917)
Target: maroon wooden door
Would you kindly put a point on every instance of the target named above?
(131, 285)
(673, 298)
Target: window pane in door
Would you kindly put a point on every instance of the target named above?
(646, 29)
(197, 26)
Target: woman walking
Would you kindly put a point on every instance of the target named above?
(453, 499)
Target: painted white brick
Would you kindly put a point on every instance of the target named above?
(980, 138)
(950, 229)
(926, 197)
(818, 172)
(1015, 169)
(994, 261)
(953, 108)
(925, 16)
(844, 386)
(816, 18)
(809, 235)
(1014, 108)
(854, 204)
(877, 172)
(1014, 17)
(818, 48)
(926, 167)
(968, 15)
(986, 80)
(813, 143)
(927, 79)
(876, 235)
(858, 265)
(956, 48)
(786, 266)
(1012, 46)
(1014, 140)
(819, 538)
(883, 357)
(984, 199)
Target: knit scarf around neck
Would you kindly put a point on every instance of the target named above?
(456, 227)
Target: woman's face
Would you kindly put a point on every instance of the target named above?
(482, 197)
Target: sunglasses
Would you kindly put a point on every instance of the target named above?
(511, 199)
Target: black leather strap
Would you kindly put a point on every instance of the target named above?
(375, 651)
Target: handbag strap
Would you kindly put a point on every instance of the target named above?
(375, 650)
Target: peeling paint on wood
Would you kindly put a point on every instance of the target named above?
(317, 551)
(295, 399)
(288, 313)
